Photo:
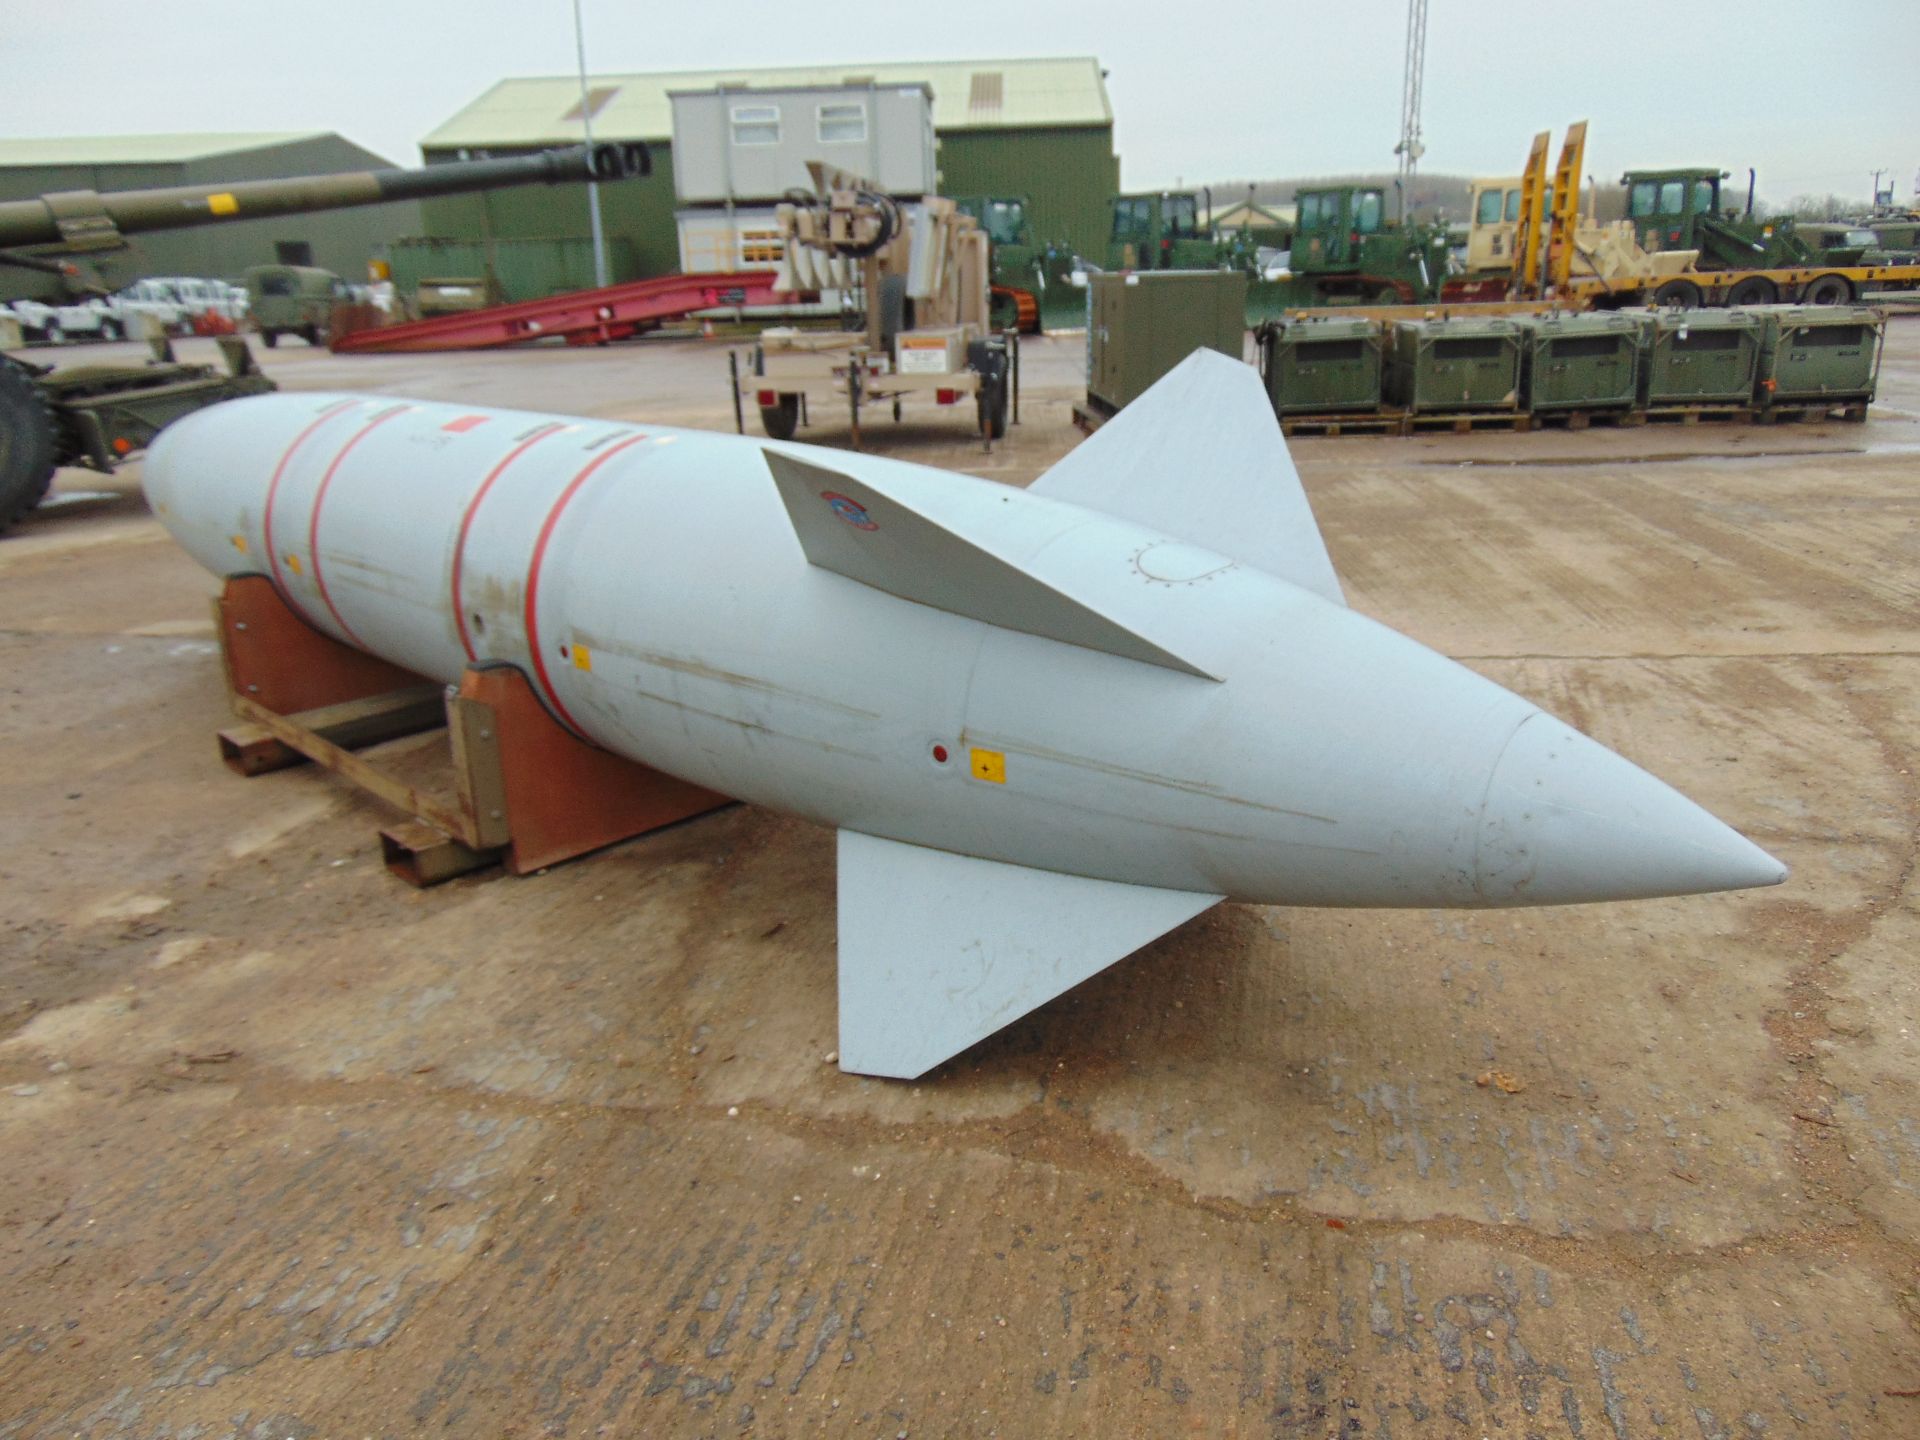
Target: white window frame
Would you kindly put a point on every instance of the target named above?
(848, 111)
(754, 118)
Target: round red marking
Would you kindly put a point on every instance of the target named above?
(273, 489)
(940, 754)
(533, 576)
(313, 522)
(466, 524)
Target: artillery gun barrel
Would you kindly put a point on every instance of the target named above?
(85, 219)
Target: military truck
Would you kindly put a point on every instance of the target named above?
(97, 415)
(294, 300)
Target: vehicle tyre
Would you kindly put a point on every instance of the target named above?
(311, 335)
(1003, 308)
(781, 418)
(26, 444)
(110, 330)
(54, 334)
(270, 338)
(1754, 290)
(1829, 290)
(1679, 294)
(1387, 295)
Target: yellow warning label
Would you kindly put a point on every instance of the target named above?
(222, 203)
(240, 543)
(582, 658)
(990, 765)
(293, 563)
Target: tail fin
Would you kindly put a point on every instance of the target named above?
(1200, 457)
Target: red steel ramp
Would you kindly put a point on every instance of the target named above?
(585, 317)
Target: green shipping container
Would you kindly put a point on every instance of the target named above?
(1322, 365)
(1467, 364)
(1581, 362)
(1142, 325)
(1699, 357)
(1819, 352)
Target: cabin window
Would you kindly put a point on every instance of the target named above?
(1309, 216)
(1182, 216)
(756, 124)
(1672, 195)
(843, 124)
(1367, 212)
(1704, 200)
(1132, 220)
(1513, 204)
(1488, 210)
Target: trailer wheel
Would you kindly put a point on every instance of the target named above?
(1829, 290)
(26, 444)
(1754, 290)
(1680, 294)
(781, 418)
(270, 338)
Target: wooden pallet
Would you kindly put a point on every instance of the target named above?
(1345, 422)
(1814, 412)
(1090, 414)
(1716, 413)
(526, 792)
(1616, 417)
(1464, 422)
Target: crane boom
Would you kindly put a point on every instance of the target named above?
(1410, 149)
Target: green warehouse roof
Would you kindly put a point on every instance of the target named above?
(140, 149)
(967, 94)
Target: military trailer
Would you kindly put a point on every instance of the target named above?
(1455, 364)
(1698, 358)
(1819, 357)
(1580, 362)
(1322, 365)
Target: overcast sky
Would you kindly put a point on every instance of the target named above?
(1816, 95)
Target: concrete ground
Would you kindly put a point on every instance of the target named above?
(289, 1149)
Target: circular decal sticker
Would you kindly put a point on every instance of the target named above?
(851, 511)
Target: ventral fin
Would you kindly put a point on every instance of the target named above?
(1200, 457)
(854, 529)
(938, 951)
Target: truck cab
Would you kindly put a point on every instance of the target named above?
(1666, 205)
(1495, 208)
(1158, 231)
(1331, 227)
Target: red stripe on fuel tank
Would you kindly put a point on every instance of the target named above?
(466, 524)
(319, 498)
(273, 489)
(533, 575)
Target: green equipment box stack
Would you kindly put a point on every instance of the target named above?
(1699, 357)
(1465, 364)
(1819, 353)
(1142, 325)
(1581, 362)
(1322, 365)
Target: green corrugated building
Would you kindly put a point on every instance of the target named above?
(1038, 128)
(340, 240)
